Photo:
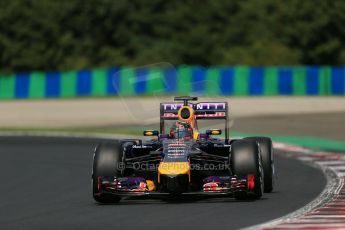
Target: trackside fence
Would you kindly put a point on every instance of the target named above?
(128, 81)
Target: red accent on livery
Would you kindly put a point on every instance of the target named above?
(250, 182)
(216, 114)
(99, 183)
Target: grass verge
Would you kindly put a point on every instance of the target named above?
(305, 141)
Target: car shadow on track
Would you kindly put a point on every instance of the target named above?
(132, 201)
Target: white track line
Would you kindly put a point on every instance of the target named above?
(327, 211)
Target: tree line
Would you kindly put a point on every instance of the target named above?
(74, 34)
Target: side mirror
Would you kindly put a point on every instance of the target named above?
(213, 132)
(151, 133)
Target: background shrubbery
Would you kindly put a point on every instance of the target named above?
(70, 34)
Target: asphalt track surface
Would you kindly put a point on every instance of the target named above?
(45, 184)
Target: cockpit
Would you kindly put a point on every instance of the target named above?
(181, 130)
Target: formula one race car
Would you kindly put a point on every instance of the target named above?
(182, 160)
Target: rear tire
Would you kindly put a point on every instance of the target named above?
(267, 156)
(245, 160)
(106, 161)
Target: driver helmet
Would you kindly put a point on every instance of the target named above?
(181, 130)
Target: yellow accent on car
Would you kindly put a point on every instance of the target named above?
(215, 132)
(173, 168)
(196, 135)
(150, 185)
(191, 114)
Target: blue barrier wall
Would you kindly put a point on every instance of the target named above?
(127, 81)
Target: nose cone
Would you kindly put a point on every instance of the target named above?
(174, 184)
(174, 176)
(173, 168)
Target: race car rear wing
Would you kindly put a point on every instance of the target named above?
(203, 110)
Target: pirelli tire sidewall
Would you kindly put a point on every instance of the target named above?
(245, 160)
(108, 160)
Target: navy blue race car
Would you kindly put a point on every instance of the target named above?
(181, 160)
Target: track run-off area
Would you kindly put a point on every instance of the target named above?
(327, 211)
(46, 184)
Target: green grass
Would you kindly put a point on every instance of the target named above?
(305, 141)
(90, 130)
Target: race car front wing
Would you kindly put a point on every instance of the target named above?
(138, 186)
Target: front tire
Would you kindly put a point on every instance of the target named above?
(245, 160)
(266, 150)
(106, 161)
